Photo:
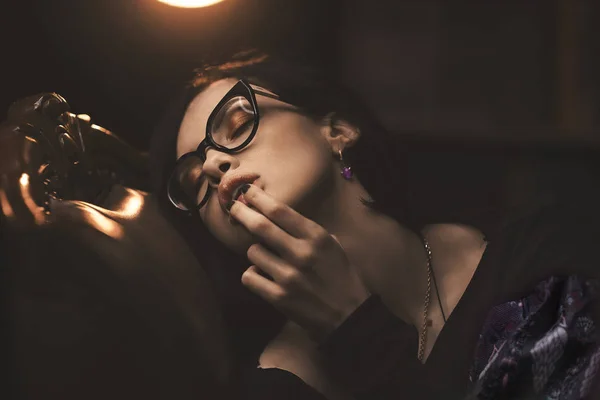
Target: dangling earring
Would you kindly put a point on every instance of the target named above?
(346, 169)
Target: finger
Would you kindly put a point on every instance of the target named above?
(266, 261)
(264, 229)
(283, 273)
(263, 287)
(281, 214)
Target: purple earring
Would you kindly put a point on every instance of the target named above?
(346, 169)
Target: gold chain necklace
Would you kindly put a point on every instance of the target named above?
(427, 321)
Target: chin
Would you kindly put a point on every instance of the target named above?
(237, 238)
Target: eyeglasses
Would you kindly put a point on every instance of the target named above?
(230, 128)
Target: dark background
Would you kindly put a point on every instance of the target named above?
(511, 69)
(524, 70)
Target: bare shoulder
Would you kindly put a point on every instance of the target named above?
(457, 251)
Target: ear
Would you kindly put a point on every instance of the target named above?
(339, 133)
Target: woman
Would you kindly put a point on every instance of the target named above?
(383, 288)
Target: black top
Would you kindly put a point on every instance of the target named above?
(373, 353)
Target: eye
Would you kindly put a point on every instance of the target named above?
(243, 127)
(233, 123)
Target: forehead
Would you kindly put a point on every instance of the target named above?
(193, 125)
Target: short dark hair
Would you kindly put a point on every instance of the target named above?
(318, 94)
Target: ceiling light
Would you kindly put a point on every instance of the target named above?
(190, 3)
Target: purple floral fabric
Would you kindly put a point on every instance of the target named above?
(542, 346)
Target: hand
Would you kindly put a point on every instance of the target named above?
(313, 283)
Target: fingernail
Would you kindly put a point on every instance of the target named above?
(245, 188)
(233, 221)
(230, 206)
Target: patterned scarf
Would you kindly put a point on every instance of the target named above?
(543, 346)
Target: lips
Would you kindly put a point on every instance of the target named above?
(229, 187)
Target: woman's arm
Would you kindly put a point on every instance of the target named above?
(370, 356)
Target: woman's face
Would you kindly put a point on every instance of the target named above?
(289, 158)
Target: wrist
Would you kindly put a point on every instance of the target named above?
(337, 317)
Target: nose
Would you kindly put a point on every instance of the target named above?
(217, 164)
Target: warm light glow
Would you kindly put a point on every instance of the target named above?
(5, 205)
(101, 222)
(190, 3)
(132, 205)
(36, 211)
(24, 180)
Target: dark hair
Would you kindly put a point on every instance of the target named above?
(316, 94)
(386, 166)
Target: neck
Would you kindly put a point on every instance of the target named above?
(375, 242)
(392, 260)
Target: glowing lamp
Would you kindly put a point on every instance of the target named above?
(190, 3)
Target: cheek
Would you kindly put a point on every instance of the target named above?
(292, 164)
(301, 164)
(297, 149)
(296, 172)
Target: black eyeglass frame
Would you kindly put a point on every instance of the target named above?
(241, 88)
